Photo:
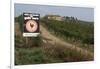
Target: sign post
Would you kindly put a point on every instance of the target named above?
(31, 24)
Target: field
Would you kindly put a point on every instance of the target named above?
(58, 42)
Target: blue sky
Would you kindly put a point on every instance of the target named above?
(82, 13)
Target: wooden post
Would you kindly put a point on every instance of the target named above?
(26, 41)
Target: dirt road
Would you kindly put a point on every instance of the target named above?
(48, 37)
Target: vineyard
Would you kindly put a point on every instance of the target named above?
(51, 46)
(77, 33)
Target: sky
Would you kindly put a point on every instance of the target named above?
(81, 13)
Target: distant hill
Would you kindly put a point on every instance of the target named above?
(65, 18)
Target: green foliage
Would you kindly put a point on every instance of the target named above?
(88, 40)
(48, 54)
(37, 41)
(64, 54)
(20, 20)
(29, 56)
(75, 31)
(22, 42)
(36, 52)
